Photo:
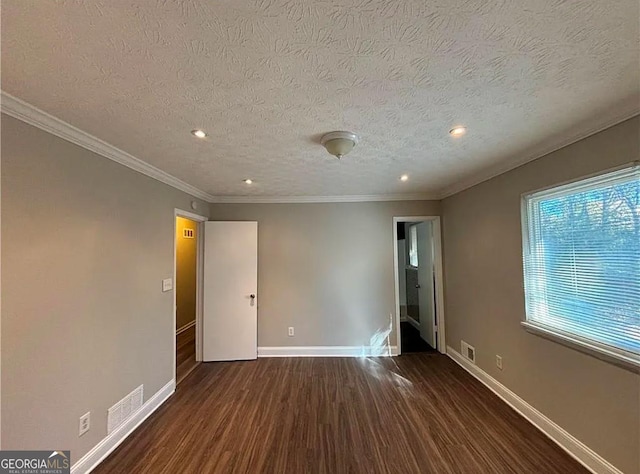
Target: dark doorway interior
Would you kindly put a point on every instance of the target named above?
(411, 340)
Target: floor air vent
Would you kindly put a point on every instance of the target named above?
(122, 411)
(468, 352)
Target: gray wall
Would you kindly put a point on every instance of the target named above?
(596, 401)
(86, 243)
(326, 269)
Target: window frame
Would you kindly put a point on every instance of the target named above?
(621, 357)
(413, 244)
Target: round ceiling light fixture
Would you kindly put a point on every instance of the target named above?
(339, 144)
(198, 133)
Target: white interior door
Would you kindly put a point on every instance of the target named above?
(426, 294)
(230, 306)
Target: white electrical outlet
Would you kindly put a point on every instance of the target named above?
(85, 423)
(291, 332)
(499, 362)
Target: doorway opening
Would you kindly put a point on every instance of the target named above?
(418, 283)
(187, 293)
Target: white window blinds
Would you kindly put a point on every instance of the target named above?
(582, 259)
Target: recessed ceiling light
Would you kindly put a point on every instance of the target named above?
(248, 181)
(404, 177)
(198, 133)
(457, 131)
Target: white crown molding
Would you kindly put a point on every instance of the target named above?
(21, 110)
(32, 115)
(573, 446)
(320, 199)
(491, 172)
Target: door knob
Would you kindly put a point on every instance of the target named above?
(417, 286)
(252, 296)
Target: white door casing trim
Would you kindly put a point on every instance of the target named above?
(438, 274)
(199, 282)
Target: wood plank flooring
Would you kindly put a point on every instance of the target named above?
(418, 413)
(185, 353)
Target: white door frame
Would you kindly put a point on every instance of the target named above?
(437, 261)
(199, 281)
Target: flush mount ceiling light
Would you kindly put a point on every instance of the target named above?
(404, 177)
(458, 131)
(248, 181)
(339, 144)
(198, 133)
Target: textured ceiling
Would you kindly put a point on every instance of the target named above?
(265, 78)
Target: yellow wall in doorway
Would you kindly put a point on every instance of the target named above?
(186, 251)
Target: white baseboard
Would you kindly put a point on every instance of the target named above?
(327, 351)
(574, 447)
(89, 461)
(185, 327)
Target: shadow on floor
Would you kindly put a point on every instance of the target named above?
(411, 340)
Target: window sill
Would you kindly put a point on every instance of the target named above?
(625, 360)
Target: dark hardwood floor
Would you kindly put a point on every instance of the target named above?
(417, 413)
(185, 353)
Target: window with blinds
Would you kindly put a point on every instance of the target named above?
(582, 260)
(413, 245)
